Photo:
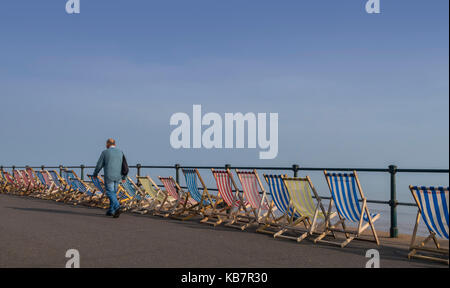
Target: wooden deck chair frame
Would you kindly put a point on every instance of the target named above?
(64, 187)
(183, 204)
(206, 203)
(301, 199)
(236, 213)
(161, 201)
(350, 235)
(253, 188)
(37, 188)
(434, 229)
(289, 218)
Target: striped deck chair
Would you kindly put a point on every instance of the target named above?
(180, 210)
(287, 215)
(255, 195)
(64, 188)
(237, 214)
(206, 203)
(15, 187)
(35, 185)
(161, 200)
(345, 191)
(100, 187)
(139, 200)
(5, 186)
(83, 193)
(22, 182)
(301, 192)
(433, 207)
(50, 190)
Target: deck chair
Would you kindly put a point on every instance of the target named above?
(15, 187)
(346, 192)
(255, 195)
(301, 192)
(206, 203)
(100, 187)
(139, 201)
(433, 208)
(36, 187)
(161, 200)
(22, 182)
(286, 215)
(180, 209)
(5, 186)
(50, 190)
(60, 184)
(236, 213)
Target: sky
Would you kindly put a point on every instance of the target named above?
(351, 89)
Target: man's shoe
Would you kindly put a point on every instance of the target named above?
(109, 214)
(116, 214)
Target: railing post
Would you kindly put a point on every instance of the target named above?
(42, 167)
(82, 172)
(295, 169)
(13, 168)
(60, 169)
(227, 166)
(177, 173)
(138, 168)
(393, 202)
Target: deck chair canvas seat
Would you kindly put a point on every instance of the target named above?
(346, 195)
(286, 215)
(433, 208)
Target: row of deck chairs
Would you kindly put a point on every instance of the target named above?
(290, 209)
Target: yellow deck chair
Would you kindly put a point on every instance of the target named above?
(160, 199)
(301, 192)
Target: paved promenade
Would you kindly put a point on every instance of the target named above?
(37, 233)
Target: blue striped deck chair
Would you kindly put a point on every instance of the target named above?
(50, 190)
(205, 202)
(84, 194)
(139, 200)
(101, 190)
(433, 208)
(346, 195)
(287, 215)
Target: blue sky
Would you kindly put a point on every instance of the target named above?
(351, 89)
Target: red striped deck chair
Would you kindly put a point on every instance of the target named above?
(433, 208)
(50, 190)
(184, 202)
(21, 182)
(237, 216)
(36, 187)
(15, 187)
(255, 195)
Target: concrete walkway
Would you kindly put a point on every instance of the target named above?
(37, 233)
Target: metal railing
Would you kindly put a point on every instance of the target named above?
(392, 171)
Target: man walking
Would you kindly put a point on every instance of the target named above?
(115, 167)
